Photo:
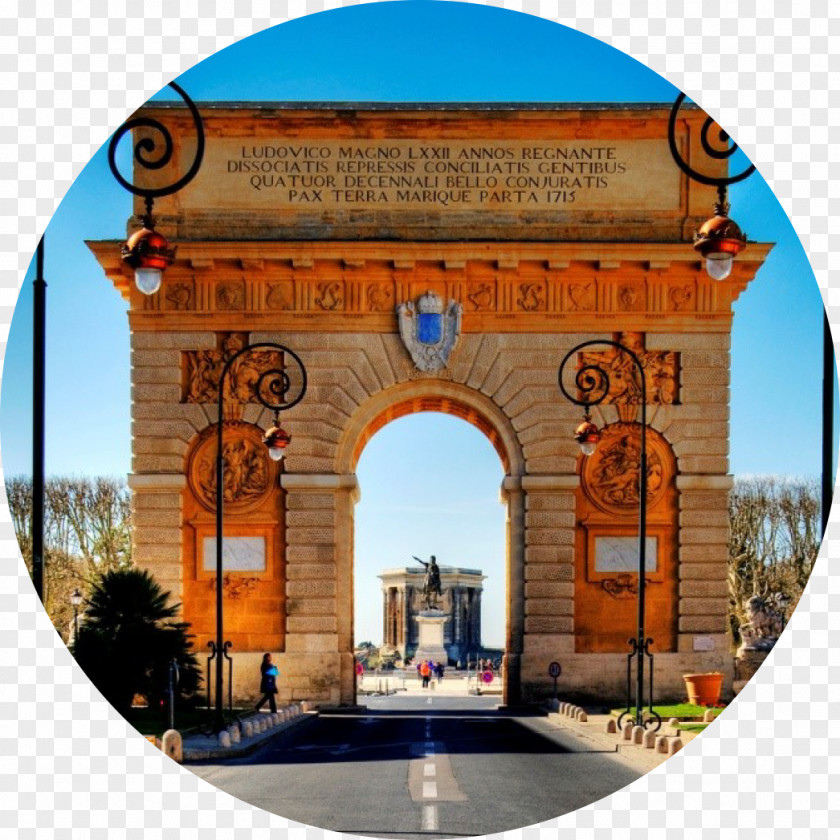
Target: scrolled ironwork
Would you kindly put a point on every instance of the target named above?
(591, 380)
(710, 150)
(152, 154)
(274, 389)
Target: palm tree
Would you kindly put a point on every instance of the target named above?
(129, 637)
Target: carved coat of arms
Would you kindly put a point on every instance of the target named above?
(429, 330)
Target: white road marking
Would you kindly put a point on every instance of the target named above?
(430, 818)
(429, 701)
(429, 770)
(429, 790)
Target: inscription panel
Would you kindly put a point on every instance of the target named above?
(426, 175)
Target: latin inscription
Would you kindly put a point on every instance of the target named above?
(444, 176)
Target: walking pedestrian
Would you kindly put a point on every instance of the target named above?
(425, 673)
(268, 683)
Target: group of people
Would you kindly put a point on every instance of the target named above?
(428, 669)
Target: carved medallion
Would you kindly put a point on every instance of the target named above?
(428, 332)
(610, 476)
(249, 473)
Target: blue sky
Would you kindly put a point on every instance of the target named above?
(448, 506)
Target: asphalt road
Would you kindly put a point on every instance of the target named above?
(415, 766)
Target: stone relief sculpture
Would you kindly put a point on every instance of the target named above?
(249, 473)
(329, 296)
(660, 367)
(610, 475)
(582, 296)
(179, 296)
(380, 297)
(531, 296)
(279, 296)
(230, 295)
(428, 332)
(204, 368)
(480, 295)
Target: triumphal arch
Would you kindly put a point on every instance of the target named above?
(438, 258)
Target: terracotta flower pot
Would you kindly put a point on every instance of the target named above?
(704, 689)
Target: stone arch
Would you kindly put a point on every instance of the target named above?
(429, 395)
(470, 405)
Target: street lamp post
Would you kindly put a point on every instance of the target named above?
(593, 384)
(275, 390)
(76, 600)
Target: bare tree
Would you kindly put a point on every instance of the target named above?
(86, 533)
(774, 539)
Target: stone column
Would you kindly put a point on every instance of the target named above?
(319, 588)
(512, 493)
(704, 563)
(549, 588)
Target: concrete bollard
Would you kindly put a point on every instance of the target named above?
(247, 729)
(662, 744)
(233, 731)
(649, 740)
(581, 716)
(224, 739)
(674, 746)
(172, 745)
(709, 716)
(287, 715)
(673, 723)
(305, 705)
(638, 734)
(562, 707)
(627, 731)
(611, 727)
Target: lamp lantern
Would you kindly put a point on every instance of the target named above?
(276, 439)
(76, 598)
(588, 436)
(149, 254)
(720, 240)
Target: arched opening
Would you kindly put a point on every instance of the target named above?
(431, 484)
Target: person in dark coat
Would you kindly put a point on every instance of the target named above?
(268, 683)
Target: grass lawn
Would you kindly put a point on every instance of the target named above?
(691, 727)
(677, 710)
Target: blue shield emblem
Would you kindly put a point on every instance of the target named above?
(429, 328)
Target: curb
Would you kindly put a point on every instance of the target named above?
(245, 746)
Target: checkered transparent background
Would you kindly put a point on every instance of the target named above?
(71, 72)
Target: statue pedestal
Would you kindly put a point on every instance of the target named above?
(430, 637)
(748, 660)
